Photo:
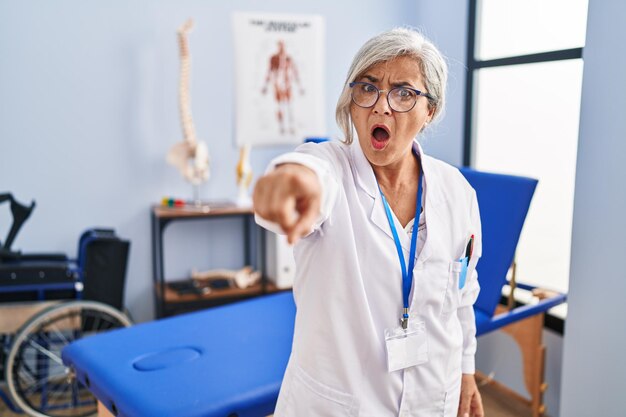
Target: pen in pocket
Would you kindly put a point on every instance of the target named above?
(469, 249)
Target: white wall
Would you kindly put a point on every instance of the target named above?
(594, 370)
(445, 23)
(88, 110)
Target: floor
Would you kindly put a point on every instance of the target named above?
(496, 405)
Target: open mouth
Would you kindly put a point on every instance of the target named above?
(380, 136)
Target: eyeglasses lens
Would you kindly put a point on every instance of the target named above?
(365, 95)
(400, 99)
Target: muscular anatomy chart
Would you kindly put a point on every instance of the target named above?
(279, 65)
(282, 73)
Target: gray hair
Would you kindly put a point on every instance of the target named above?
(385, 47)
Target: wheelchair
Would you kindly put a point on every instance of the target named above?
(47, 301)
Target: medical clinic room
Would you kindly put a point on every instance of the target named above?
(402, 208)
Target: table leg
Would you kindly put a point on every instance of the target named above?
(103, 411)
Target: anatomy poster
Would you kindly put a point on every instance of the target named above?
(279, 78)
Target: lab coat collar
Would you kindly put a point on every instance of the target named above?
(367, 181)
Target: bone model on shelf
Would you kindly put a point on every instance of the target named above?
(242, 278)
(190, 156)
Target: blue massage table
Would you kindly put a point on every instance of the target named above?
(230, 361)
(504, 201)
(225, 361)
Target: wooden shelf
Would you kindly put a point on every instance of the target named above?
(172, 296)
(206, 210)
(168, 299)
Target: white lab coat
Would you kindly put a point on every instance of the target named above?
(348, 291)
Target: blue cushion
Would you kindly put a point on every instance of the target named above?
(482, 321)
(503, 201)
(215, 362)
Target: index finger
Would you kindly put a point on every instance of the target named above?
(304, 224)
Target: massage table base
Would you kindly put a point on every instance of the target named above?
(103, 412)
(528, 335)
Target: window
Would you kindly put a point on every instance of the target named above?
(522, 114)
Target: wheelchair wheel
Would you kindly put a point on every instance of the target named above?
(37, 380)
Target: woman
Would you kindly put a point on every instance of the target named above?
(385, 325)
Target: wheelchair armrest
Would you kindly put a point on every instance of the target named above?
(38, 257)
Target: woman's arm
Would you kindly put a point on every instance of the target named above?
(470, 404)
(298, 191)
(289, 196)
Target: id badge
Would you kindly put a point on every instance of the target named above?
(406, 347)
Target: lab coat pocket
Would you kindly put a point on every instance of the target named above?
(310, 397)
(453, 291)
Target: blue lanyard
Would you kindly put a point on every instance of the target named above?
(407, 275)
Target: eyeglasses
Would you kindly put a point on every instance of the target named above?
(400, 99)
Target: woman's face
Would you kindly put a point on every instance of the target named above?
(385, 135)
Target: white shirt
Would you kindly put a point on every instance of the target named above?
(422, 232)
(348, 290)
